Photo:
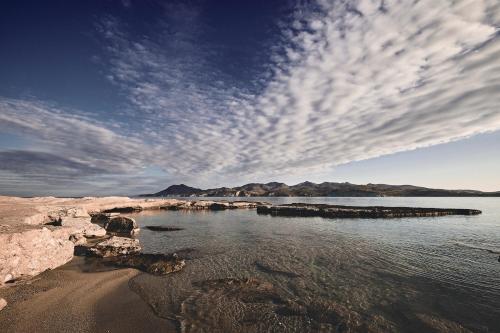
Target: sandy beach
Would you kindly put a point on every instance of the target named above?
(73, 299)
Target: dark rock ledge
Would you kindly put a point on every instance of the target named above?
(126, 252)
(337, 211)
(162, 228)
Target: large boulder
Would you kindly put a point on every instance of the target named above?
(30, 252)
(121, 225)
(116, 246)
(102, 219)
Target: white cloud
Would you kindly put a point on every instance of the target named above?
(369, 80)
(83, 144)
(351, 81)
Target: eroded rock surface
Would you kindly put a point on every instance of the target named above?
(116, 246)
(31, 252)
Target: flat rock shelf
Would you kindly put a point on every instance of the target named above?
(338, 211)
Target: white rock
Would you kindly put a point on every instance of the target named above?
(31, 252)
(3, 303)
(7, 278)
(75, 225)
(116, 246)
(92, 230)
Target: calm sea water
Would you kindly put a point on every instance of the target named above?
(256, 273)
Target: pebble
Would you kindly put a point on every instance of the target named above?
(3, 303)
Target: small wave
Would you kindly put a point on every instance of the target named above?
(477, 247)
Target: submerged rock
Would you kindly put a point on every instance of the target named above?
(157, 264)
(266, 268)
(115, 246)
(162, 228)
(121, 225)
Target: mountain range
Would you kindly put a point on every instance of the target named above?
(325, 189)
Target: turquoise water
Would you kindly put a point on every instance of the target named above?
(312, 274)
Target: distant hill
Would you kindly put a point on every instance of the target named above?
(177, 190)
(326, 189)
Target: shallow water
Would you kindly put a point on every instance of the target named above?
(257, 273)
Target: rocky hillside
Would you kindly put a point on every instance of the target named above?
(178, 190)
(325, 189)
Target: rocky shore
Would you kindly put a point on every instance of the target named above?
(41, 233)
(38, 234)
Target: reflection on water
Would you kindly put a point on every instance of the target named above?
(248, 272)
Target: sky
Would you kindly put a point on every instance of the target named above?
(126, 97)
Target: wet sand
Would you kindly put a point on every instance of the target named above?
(73, 298)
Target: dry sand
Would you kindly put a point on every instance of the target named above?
(79, 298)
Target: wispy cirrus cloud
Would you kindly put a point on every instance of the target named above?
(73, 136)
(67, 147)
(346, 81)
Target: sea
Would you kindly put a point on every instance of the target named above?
(257, 273)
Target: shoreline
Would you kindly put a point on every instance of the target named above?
(40, 233)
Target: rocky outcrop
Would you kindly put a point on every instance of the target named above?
(157, 264)
(212, 205)
(121, 225)
(31, 252)
(115, 246)
(337, 211)
(40, 233)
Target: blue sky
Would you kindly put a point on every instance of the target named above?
(125, 97)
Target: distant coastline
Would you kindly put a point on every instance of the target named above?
(310, 189)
